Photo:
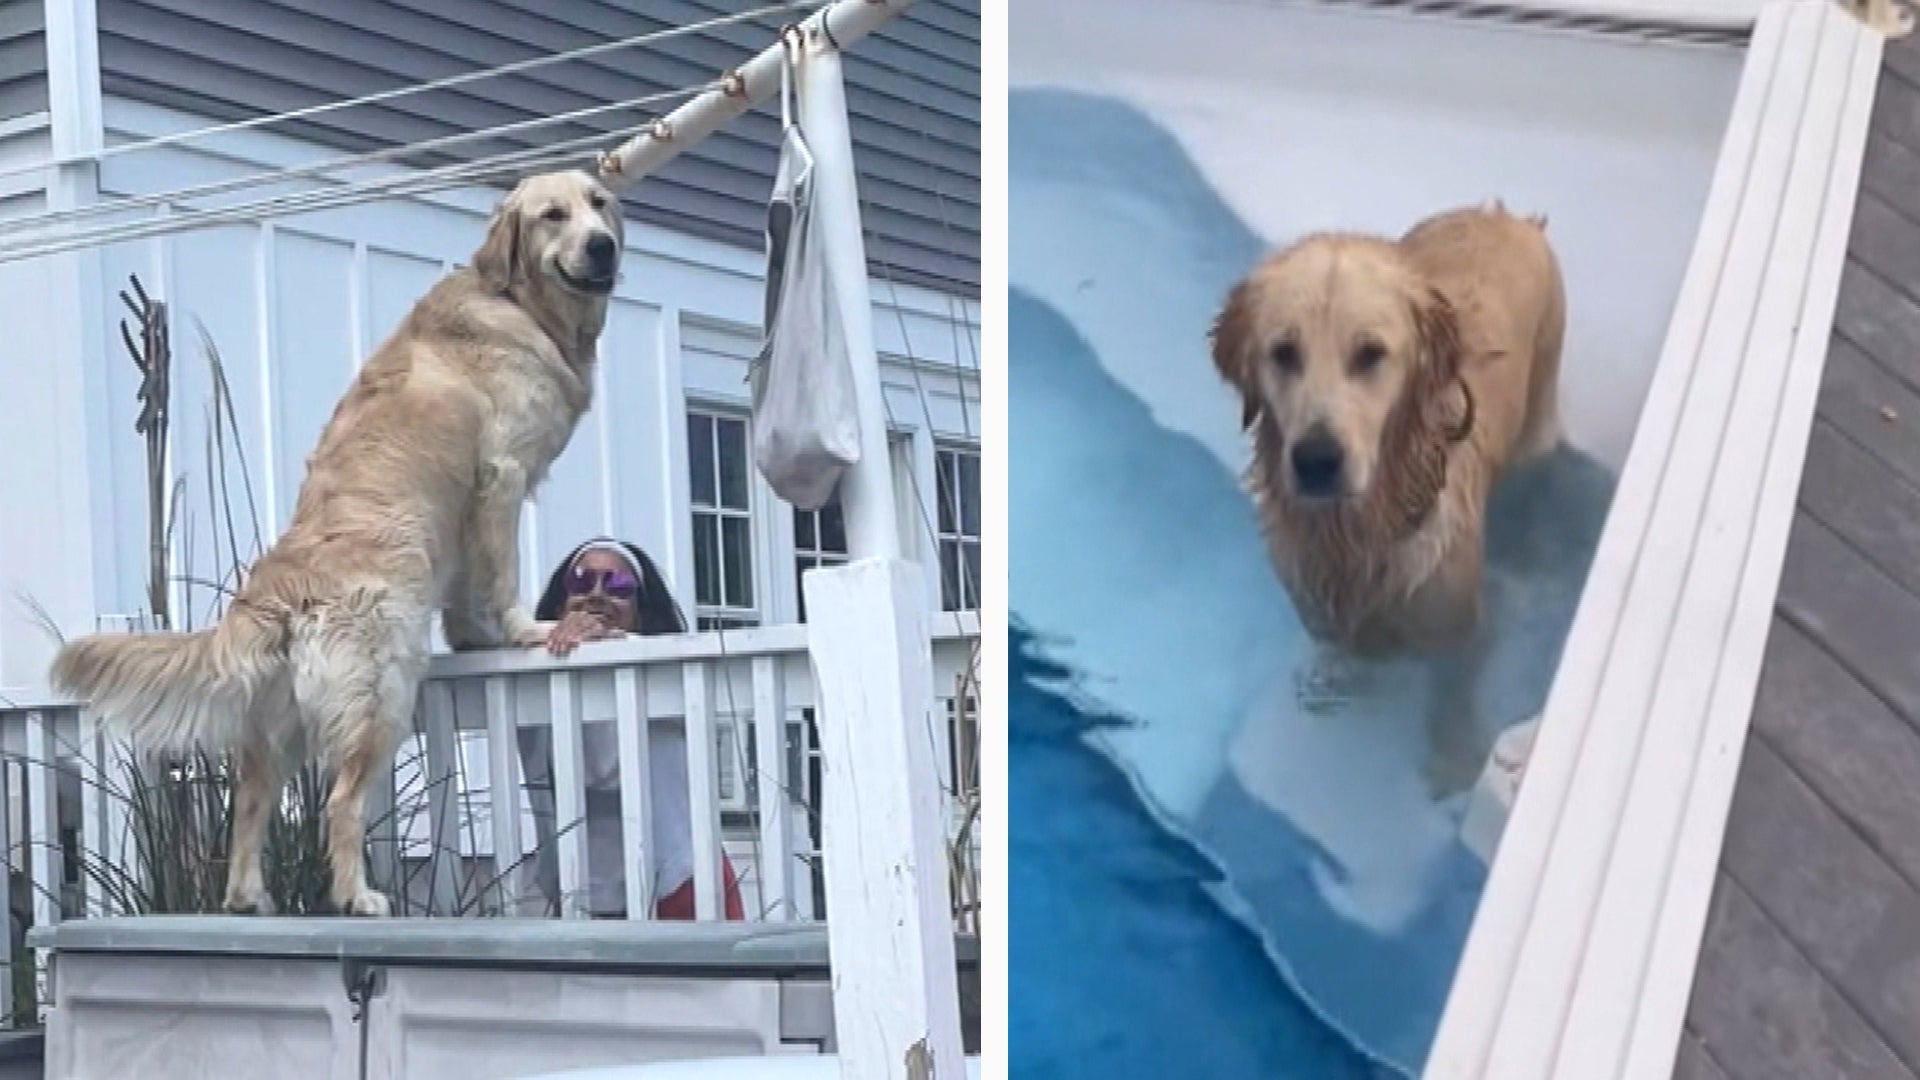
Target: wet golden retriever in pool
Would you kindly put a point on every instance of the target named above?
(1386, 384)
(411, 505)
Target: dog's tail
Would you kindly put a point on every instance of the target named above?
(175, 692)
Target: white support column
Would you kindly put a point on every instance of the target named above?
(896, 1000)
(866, 490)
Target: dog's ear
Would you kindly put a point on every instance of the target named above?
(1437, 378)
(1439, 329)
(499, 256)
(1229, 339)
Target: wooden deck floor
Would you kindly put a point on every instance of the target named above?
(1810, 969)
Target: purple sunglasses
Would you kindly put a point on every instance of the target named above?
(618, 584)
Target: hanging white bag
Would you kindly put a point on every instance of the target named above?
(806, 424)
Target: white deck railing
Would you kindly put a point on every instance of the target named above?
(62, 784)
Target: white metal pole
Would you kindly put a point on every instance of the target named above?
(889, 918)
(866, 489)
(847, 21)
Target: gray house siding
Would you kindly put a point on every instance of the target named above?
(23, 58)
(912, 91)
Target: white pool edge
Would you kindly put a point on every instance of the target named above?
(1582, 955)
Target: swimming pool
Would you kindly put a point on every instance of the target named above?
(1154, 151)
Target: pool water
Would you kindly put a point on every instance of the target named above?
(1225, 858)
(1123, 963)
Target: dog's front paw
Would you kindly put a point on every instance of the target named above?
(255, 902)
(520, 629)
(369, 902)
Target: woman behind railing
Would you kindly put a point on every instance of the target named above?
(606, 589)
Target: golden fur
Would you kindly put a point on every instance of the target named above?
(411, 505)
(1432, 363)
(1425, 366)
(1892, 19)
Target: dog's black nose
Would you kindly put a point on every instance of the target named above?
(1317, 464)
(600, 252)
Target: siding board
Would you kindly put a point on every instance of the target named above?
(23, 58)
(913, 93)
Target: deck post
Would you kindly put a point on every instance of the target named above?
(889, 925)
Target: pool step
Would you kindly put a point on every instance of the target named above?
(1499, 785)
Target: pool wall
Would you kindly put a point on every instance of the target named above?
(1583, 952)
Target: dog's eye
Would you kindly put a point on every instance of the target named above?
(1286, 357)
(1367, 357)
(555, 213)
(597, 201)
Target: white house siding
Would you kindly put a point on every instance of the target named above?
(295, 303)
(44, 541)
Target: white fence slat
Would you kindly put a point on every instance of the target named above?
(117, 765)
(443, 798)
(569, 794)
(703, 789)
(636, 788)
(43, 818)
(7, 837)
(772, 784)
(383, 828)
(93, 808)
(503, 789)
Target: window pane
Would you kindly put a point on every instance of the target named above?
(971, 581)
(943, 472)
(949, 575)
(970, 494)
(706, 559)
(833, 526)
(733, 463)
(700, 454)
(736, 563)
(803, 530)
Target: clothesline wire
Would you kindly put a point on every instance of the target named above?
(443, 178)
(409, 89)
(36, 225)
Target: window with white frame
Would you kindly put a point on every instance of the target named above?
(820, 536)
(722, 506)
(819, 539)
(957, 477)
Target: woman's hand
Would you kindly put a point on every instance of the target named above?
(577, 626)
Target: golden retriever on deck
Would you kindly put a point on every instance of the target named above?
(1386, 384)
(411, 505)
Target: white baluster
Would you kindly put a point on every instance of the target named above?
(569, 793)
(503, 782)
(443, 797)
(636, 787)
(7, 837)
(43, 820)
(93, 806)
(770, 750)
(703, 793)
(383, 825)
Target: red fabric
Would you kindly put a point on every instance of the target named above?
(678, 904)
